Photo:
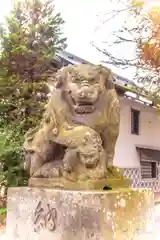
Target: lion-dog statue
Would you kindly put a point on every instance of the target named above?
(77, 136)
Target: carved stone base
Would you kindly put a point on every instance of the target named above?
(35, 213)
(63, 183)
(114, 180)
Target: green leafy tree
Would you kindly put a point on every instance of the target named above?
(29, 40)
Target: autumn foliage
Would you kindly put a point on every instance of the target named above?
(150, 49)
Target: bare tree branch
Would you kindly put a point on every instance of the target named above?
(119, 62)
(114, 14)
(141, 32)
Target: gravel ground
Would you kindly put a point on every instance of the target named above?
(152, 234)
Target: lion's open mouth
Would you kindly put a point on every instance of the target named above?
(84, 107)
(81, 109)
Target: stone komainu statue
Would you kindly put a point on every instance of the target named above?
(77, 136)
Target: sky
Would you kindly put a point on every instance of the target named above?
(82, 17)
(81, 20)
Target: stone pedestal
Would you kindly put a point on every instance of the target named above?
(41, 213)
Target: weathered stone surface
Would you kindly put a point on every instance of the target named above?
(114, 183)
(75, 215)
(77, 136)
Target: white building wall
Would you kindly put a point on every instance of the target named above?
(126, 155)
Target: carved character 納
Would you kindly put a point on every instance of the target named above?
(44, 218)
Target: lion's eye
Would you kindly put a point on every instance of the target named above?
(92, 80)
(97, 83)
(76, 80)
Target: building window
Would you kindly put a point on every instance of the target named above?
(148, 169)
(135, 121)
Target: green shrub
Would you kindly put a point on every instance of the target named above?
(11, 156)
(3, 211)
